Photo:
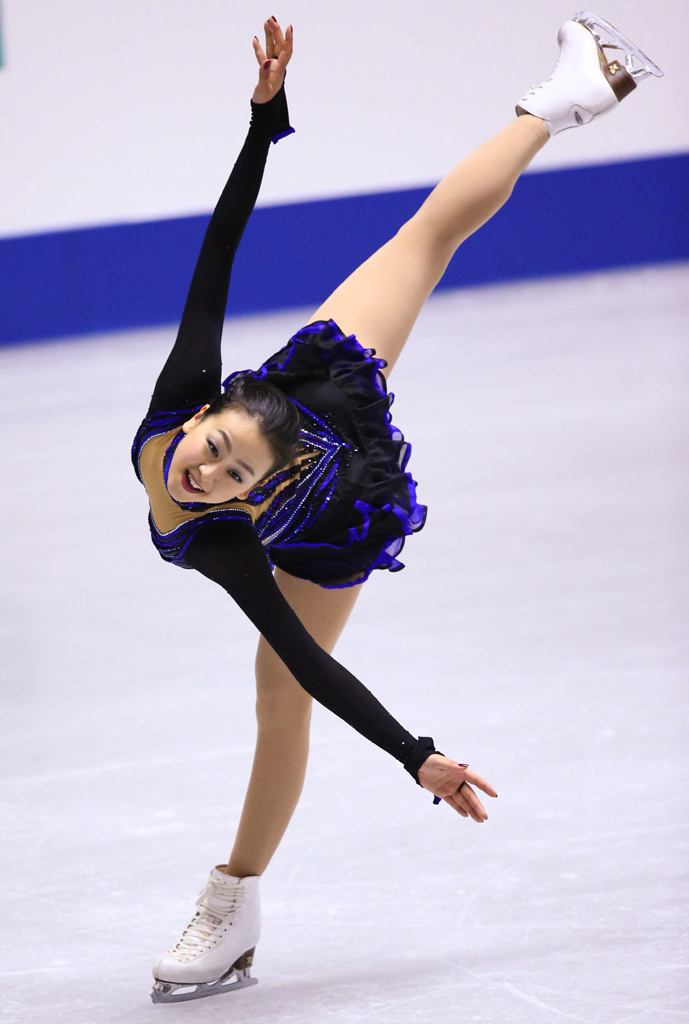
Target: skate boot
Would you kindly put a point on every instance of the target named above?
(586, 83)
(216, 949)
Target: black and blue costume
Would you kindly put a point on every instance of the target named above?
(340, 510)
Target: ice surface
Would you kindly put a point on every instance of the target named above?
(540, 632)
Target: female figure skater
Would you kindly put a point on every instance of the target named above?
(298, 464)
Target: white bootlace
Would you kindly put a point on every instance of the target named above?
(218, 901)
(534, 88)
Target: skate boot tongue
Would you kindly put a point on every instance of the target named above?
(215, 951)
(221, 894)
(221, 897)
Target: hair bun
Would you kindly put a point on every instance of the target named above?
(277, 416)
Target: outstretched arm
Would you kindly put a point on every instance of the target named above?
(192, 373)
(231, 555)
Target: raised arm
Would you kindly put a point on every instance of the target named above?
(192, 373)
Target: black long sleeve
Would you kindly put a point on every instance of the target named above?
(231, 555)
(192, 372)
(230, 552)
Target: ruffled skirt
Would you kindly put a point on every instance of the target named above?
(374, 507)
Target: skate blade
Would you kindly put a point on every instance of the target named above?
(637, 64)
(171, 992)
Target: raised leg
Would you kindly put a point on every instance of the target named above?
(380, 301)
(283, 710)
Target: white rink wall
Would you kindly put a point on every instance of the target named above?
(134, 111)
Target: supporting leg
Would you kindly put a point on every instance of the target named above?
(380, 301)
(283, 711)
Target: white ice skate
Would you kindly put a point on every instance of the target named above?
(586, 82)
(216, 949)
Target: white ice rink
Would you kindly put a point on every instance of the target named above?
(539, 631)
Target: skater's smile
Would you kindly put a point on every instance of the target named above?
(346, 505)
(220, 458)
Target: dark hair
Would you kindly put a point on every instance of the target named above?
(277, 416)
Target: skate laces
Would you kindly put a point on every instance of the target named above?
(534, 88)
(217, 901)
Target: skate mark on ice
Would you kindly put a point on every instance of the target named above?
(415, 997)
(643, 1012)
(535, 1001)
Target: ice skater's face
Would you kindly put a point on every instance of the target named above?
(219, 458)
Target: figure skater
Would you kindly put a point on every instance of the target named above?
(297, 466)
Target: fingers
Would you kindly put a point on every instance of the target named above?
(466, 803)
(476, 780)
(260, 53)
(454, 804)
(468, 799)
(450, 781)
(286, 46)
(278, 37)
(279, 46)
(269, 53)
(270, 39)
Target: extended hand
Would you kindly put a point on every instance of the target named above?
(450, 781)
(272, 61)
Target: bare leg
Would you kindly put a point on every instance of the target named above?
(283, 710)
(380, 301)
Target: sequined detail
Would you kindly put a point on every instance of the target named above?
(153, 425)
(301, 504)
(352, 467)
(376, 505)
(288, 503)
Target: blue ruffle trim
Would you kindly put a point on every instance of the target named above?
(391, 506)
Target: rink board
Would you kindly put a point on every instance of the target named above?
(126, 276)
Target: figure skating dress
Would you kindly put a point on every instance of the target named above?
(341, 509)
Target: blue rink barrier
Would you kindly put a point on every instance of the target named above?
(126, 276)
